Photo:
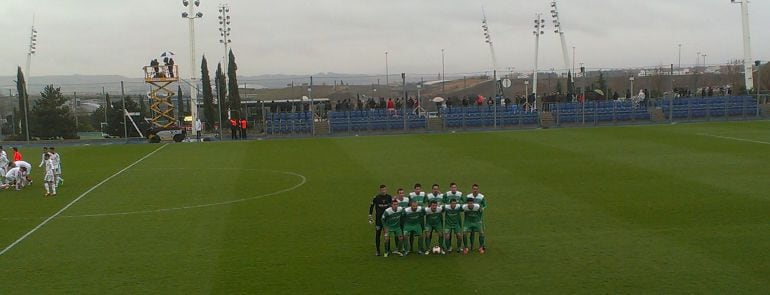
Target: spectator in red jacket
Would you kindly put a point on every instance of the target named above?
(243, 128)
(16, 154)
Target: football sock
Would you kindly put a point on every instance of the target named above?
(482, 241)
(421, 243)
(465, 241)
(411, 241)
(473, 239)
(377, 239)
(47, 190)
(459, 242)
(387, 245)
(429, 239)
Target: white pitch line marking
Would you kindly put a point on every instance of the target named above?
(22, 238)
(734, 138)
(301, 183)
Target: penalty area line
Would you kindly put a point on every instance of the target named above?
(734, 138)
(22, 238)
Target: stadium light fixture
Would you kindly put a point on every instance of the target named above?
(539, 26)
(747, 64)
(488, 38)
(32, 50)
(224, 34)
(559, 29)
(191, 15)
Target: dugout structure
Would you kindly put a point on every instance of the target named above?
(159, 78)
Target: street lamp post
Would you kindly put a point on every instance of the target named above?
(191, 15)
(312, 111)
(758, 64)
(680, 57)
(387, 73)
(526, 91)
(443, 74)
(631, 79)
(697, 60)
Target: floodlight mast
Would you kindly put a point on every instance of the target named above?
(224, 33)
(748, 67)
(539, 26)
(488, 38)
(559, 29)
(191, 15)
(30, 52)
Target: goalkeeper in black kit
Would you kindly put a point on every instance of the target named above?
(380, 202)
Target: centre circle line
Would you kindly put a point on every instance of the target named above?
(294, 187)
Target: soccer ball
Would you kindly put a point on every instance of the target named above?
(436, 250)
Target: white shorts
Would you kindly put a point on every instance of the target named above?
(49, 177)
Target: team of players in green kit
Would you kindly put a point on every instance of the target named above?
(420, 215)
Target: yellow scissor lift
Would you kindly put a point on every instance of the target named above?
(164, 125)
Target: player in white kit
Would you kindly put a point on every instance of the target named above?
(56, 159)
(49, 181)
(15, 176)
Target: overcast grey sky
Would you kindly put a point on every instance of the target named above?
(351, 36)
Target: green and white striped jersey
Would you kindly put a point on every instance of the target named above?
(420, 198)
(439, 198)
(434, 217)
(458, 195)
(403, 203)
(414, 217)
(391, 218)
(452, 215)
(472, 213)
(478, 199)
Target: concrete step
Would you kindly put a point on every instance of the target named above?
(764, 110)
(547, 120)
(435, 124)
(322, 128)
(656, 114)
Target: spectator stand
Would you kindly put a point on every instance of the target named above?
(710, 108)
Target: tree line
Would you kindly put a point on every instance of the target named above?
(51, 117)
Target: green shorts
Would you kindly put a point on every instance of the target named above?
(452, 228)
(397, 230)
(417, 229)
(437, 227)
(474, 227)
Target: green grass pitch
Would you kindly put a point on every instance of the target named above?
(653, 209)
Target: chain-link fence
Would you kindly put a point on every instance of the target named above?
(494, 117)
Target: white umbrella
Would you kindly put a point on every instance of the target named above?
(599, 92)
(438, 99)
(166, 56)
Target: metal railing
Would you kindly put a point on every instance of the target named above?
(592, 113)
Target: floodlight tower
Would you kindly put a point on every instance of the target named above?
(488, 38)
(191, 15)
(30, 52)
(748, 67)
(224, 33)
(559, 29)
(539, 25)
